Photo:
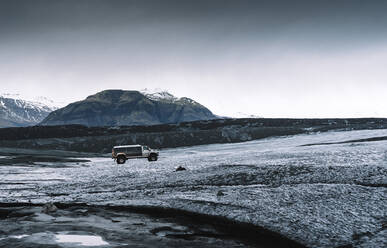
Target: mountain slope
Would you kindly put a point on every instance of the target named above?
(18, 113)
(121, 108)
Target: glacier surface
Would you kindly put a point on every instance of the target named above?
(320, 196)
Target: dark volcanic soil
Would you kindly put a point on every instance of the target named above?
(102, 139)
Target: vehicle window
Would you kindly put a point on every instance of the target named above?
(134, 151)
(117, 150)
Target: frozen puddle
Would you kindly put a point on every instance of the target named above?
(19, 236)
(81, 240)
(64, 239)
(16, 237)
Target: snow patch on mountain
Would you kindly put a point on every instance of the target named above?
(159, 94)
(164, 95)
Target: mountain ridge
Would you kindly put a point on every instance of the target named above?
(116, 107)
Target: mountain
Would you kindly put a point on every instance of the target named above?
(124, 108)
(17, 112)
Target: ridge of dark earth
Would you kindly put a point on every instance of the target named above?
(101, 139)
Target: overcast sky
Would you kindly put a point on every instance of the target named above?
(269, 58)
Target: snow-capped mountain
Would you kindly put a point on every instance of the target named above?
(125, 108)
(18, 112)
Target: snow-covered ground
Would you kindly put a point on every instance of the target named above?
(320, 196)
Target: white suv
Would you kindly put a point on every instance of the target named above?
(123, 153)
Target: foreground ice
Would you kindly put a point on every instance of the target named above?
(103, 227)
(71, 240)
(320, 196)
(83, 240)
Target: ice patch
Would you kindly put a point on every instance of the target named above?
(19, 236)
(83, 240)
(63, 238)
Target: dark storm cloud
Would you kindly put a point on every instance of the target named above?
(308, 24)
(347, 16)
(264, 50)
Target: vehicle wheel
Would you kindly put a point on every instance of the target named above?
(152, 157)
(121, 160)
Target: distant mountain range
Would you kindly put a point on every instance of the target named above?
(17, 112)
(106, 108)
(124, 108)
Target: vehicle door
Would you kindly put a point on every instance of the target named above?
(145, 151)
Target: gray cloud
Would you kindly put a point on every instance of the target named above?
(276, 55)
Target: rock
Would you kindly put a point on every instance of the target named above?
(180, 168)
(83, 212)
(139, 224)
(49, 208)
(220, 193)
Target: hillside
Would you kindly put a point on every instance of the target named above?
(121, 108)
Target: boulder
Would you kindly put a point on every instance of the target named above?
(180, 168)
(49, 208)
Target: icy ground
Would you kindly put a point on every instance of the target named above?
(320, 196)
(97, 227)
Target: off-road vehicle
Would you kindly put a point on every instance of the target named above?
(122, 153)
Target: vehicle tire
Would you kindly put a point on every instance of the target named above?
(152, 157)
(121, 160)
